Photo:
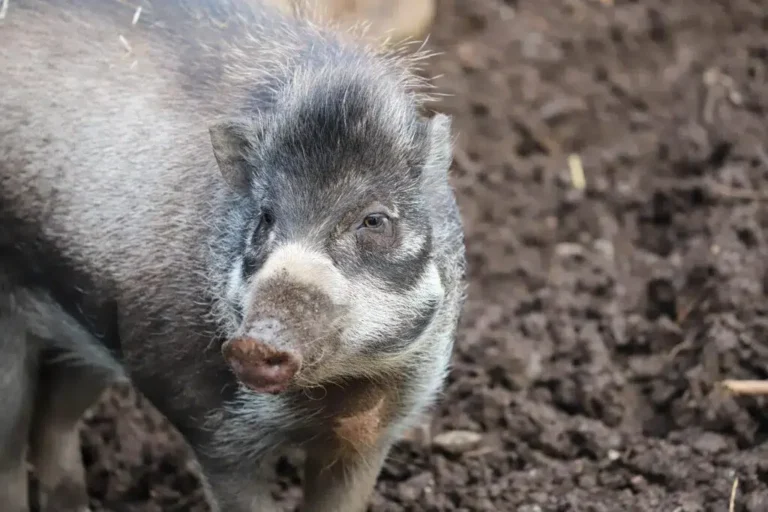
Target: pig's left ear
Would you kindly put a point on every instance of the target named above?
(440, 152)
(232, 141)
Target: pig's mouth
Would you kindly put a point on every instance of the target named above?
(260, 367)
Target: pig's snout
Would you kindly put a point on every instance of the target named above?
(294, 314)
(259, 366)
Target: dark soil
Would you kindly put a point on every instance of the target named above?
(600, 320)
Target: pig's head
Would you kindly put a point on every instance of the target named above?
(342, 247)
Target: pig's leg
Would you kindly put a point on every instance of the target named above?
(340, 480)
(239, 495)
(66, 392)
(17, 383)
(74, 370)
(240, 490)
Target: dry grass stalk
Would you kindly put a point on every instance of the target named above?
(578, 179)
(746, 387)
(732, 503)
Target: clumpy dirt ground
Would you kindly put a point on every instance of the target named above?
(599, 320)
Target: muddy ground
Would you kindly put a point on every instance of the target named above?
(599, 320)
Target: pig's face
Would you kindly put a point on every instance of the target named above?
(335, 272)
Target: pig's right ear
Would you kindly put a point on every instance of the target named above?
(232, 142)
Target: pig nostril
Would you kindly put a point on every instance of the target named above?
(259, 366)
(278, 360)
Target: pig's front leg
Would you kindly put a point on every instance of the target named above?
(232, 484)
(341, 482)
(236, 492)
(337, 478)
(341, 469)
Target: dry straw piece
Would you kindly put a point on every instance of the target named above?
(578, 179)
(747, 387)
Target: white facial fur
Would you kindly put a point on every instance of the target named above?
(373, 313)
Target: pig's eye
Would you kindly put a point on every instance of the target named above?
(376, 231)
(376, 221)
(267, 219)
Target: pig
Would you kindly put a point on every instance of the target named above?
(252, 212)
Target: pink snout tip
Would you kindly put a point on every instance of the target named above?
(259, 366)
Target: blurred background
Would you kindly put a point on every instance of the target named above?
(610, 163)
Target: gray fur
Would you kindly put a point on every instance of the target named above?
(168, 180)
(52, 370)
(18, 368)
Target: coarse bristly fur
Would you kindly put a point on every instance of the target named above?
(51, 371)
(198, 171)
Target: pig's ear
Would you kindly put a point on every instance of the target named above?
(232, 140)
(440, 153)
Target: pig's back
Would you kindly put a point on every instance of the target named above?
(105, 155)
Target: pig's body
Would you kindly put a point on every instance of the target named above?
(111, 195)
